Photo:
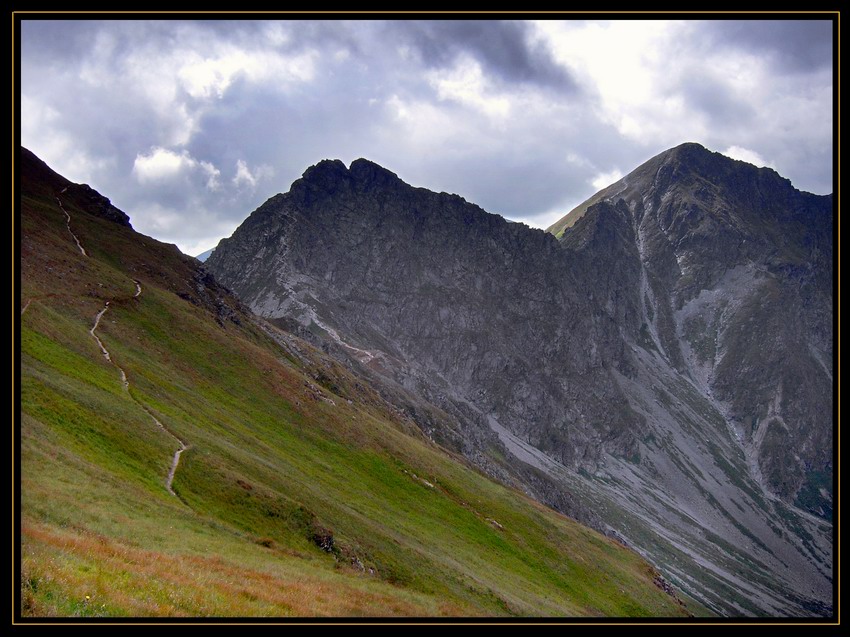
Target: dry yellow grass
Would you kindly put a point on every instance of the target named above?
(95, 575)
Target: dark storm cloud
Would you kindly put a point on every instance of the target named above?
(792, 45)
(51, 39)
(503, 48)
(74, 40)
(188, 126)
(710, 96)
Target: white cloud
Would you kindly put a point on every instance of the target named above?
(747, 155)
(603, 180)
(194, 228)
(276, 33)
(577, 160)
(38, 120)
(663, 83)
(159, 220)
(161, 164)
(465, 83)
(245, 176)
(620, 63)
(542, 220)
(210, 76)
(179, 81)
(212, 174)
(43, 133)
(447, 112)
(194, 247)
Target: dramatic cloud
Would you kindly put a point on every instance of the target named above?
(603, 180)
(162, 165)
(790, 45)
(244, 176)
(506, 50)
(190, 125)
(747, 155)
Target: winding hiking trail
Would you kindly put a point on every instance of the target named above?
(175, 461)
(126, 384)
(68, 223)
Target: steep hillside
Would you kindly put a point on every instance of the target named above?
(577, 368)
(736, 279)
(427, 282)
(179, 456)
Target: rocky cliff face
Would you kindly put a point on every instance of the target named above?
(736, 270)
(433, 282)
(662, 370)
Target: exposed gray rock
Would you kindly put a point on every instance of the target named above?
(738, 275)
(649, 373)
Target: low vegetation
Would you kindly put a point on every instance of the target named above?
(292, 500)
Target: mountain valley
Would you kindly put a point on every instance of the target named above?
(374, 399)
(179, 456)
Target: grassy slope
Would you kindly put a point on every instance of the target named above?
(272, 468)
(569, 220)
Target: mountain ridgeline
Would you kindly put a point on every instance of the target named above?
(180, 456)
(659, 365)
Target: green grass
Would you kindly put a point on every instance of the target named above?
(271, 469)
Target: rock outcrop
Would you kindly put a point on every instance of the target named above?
(662, 370)
(737, 276)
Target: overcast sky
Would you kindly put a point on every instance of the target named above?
(189, 126)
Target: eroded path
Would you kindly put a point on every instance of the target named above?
(68, 223)
(182, 446)
(175, 461)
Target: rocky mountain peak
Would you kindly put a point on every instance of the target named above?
(327, 177)
(715, 181)
(326, 172)
(369, 174)
(707, 180)
(680, 328)
(330, 178)
(688, 153)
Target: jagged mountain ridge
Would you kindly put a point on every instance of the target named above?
(723, 244)
(406, 326)
(179, 456)
(569, 357)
